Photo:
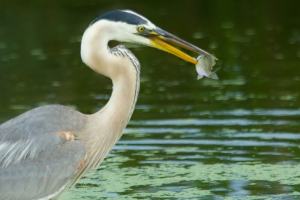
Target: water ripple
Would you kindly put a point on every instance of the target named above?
(256, 112)
(207, 122)
(205, 142)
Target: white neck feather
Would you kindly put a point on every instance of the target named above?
(104, 128)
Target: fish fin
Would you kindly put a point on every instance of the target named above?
(213, 75)
(199, 57)
(199, 77)
(214, 57)
(217, 70)
(213, 60)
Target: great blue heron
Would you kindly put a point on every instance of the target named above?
(46, 150)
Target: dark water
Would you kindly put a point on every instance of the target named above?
(234, 138)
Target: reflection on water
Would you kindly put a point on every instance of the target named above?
(234, 138)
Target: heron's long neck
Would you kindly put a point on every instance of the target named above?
(104, 128)
(109, 123)
(114, 116)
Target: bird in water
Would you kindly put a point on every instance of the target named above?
(46, 150)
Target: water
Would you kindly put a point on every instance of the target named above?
(233, 138)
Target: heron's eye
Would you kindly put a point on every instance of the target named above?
(141, 29)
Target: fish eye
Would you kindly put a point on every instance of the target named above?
(141, 29)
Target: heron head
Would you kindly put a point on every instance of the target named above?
(128, 26)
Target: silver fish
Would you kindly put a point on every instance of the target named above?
(204, 66)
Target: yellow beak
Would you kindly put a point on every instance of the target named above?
(159, 38)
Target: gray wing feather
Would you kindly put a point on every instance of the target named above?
(13, 152)
(36, 132)
(42, 176)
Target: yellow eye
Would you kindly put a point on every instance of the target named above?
(141, 29)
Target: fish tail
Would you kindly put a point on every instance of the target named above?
(213, 75)
(199, 77)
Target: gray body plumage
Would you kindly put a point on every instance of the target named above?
(39, 128)
(33, 154)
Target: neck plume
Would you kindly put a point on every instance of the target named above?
(104, 128)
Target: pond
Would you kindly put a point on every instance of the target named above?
(233, 138)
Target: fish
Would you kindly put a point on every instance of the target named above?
(205, 65)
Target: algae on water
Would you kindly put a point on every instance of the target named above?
(117, 182)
